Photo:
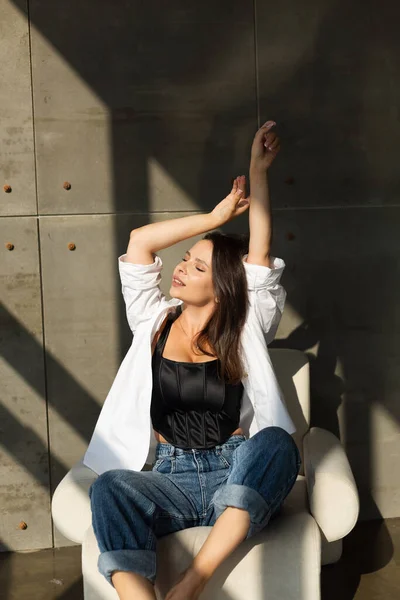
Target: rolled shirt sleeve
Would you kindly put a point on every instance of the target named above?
(267, 296)
(140, 289)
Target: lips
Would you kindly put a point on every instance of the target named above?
(177, 279)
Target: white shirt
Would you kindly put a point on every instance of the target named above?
(123, 437)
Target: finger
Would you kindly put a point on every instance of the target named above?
(269, 138)
(274, 148)
(269, 123)
(234, 186)
(238, 195)
(242, 206)
(265, 128)
(273, 144)
(243, 185)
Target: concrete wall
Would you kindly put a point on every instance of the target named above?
(148, 113)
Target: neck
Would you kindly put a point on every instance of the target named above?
(194, 318)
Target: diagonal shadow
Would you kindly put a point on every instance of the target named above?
(113, 85)
(84, 404)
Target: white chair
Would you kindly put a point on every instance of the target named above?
(281, 562)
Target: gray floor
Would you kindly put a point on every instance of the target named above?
(369, 569)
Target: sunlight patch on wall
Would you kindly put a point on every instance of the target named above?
(165, 190)
(290, 329)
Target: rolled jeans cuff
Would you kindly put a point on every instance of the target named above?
(241, 496)
(142, 562)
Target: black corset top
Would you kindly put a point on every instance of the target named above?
(190, 406)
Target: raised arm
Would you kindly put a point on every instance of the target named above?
(264, 150)
(148, 239)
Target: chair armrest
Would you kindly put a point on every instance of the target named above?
(332, 491)
(70, 505)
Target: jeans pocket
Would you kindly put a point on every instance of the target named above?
(225, 456)
(164, 465)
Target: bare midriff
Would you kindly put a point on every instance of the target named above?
(162, 440)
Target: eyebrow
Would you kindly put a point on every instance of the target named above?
(199, 259)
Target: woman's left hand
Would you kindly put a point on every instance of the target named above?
(266, 146)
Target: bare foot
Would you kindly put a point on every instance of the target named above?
(188, 587)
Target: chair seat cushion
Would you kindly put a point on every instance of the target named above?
(282, 561)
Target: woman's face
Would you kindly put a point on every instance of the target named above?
(195, 271)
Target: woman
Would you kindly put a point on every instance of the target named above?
(206, 472)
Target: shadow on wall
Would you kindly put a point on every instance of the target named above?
(367, 549)
(80, 414)
(165, 104)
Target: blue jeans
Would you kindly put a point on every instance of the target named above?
(189, 488)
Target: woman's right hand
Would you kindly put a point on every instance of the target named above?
(265, 147)
(234, 204)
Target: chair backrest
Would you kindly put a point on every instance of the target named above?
(293, 374)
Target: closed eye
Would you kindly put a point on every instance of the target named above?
(201, 270)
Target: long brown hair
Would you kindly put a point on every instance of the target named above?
(223, 330)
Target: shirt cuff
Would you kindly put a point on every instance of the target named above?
(261, 276)
(132, 273)
(125, 264)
